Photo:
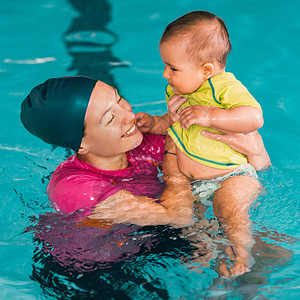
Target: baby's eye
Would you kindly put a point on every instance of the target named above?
(173, 69)
(120, 99)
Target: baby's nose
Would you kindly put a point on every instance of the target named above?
(165, 74)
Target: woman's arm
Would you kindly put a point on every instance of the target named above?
(249, 144)
(174, 206)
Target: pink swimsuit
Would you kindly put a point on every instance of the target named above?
(75, 184)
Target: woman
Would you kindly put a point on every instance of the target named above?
(112, 155)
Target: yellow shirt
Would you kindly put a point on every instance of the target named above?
(224, 91)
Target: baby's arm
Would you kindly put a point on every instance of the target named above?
(239, 119)
(160, 124)
(152, 124)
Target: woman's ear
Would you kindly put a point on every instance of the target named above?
(83, 148)
(208, 70)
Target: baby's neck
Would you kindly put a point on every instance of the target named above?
(217, 71)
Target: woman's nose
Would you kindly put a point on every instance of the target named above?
(128, 117)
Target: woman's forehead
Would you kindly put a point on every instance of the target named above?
(103, 94)
(102, 99)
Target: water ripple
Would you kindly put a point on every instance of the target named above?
(101, 37)
(34, 61)
(17, 149)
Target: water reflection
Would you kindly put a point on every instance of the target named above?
(75, 257)
(99, 258)
(269, 257)
(89, 42)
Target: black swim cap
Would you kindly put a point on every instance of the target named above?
(54, 111)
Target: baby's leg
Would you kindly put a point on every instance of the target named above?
(231, 204)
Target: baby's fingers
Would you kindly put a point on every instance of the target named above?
(141, 122)
(175, 102)
(140, 119)
(186, 123)
(176, 99)
(184, 111)
(139, 115)
(186, 118)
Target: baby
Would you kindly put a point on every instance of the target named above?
(203, 97)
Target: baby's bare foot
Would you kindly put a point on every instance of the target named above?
(239, 269)
(224, 271)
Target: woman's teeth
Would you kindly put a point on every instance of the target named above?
(131, 130)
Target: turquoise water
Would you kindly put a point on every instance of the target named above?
(117, 41)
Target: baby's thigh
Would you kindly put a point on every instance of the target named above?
(236, 193)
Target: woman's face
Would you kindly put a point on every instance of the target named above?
(110, 128)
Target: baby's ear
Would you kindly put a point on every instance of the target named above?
(208, 70)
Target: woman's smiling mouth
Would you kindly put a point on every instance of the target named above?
(130, 131)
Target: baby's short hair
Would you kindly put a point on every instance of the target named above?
(206, 35)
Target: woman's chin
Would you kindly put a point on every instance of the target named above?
(138, 139)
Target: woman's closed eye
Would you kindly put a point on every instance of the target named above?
(111, 119)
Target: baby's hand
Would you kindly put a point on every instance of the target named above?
(173, 105)
(144, 121)
(196, 114)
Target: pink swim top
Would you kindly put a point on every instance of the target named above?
(75, 184)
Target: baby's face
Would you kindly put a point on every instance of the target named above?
(182, 73)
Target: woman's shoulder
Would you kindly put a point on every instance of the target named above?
(74, 171)
(75, 185)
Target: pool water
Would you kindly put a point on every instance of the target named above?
(117, 42)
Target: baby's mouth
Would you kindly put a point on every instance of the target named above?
(130, 131)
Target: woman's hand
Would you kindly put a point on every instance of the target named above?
(249, 144)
